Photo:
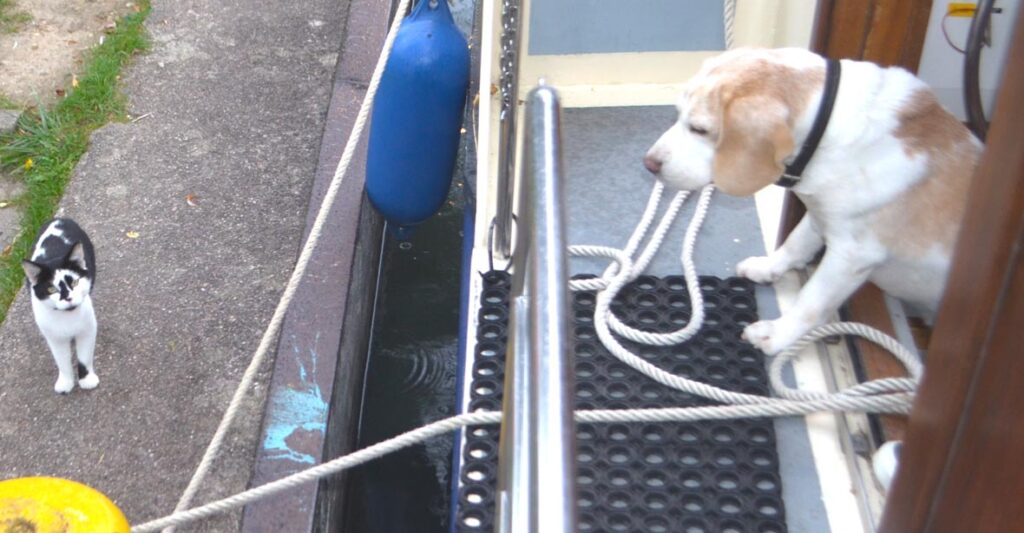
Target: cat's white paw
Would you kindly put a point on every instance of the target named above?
(90, 381)
(63, 385)
(762, 269)
(772, 336)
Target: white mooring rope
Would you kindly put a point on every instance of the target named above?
(880, 404)
(729, 22)
(893, 395)
(300, 268)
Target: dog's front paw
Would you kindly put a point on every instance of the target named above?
(772, 336)
(885, 462)
(90, 381)
(63, 385)
(762, 269)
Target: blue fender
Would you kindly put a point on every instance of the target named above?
(417, 117)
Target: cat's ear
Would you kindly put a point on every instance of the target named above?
(77, 256)
(32, 271)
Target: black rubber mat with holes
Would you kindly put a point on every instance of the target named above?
(714, 476)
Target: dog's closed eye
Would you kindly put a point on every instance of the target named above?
(697, 130)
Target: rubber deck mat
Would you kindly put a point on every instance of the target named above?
(710, 477)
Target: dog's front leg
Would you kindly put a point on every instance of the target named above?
(800, 247)
(843, 269)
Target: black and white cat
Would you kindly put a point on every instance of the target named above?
(61, 274)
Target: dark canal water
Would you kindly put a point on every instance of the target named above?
(411, 380)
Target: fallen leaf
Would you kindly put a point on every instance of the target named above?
(192, 200)
(29, 164)
(132, 235)
(60, 93)
(74, 81)
(72, 41)
(4, 204)
(7, 250)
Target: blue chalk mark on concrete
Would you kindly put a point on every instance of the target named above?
(297, 407)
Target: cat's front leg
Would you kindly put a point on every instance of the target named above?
(85, 344)
(61, 350)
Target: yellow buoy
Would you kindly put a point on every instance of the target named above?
(51, 505)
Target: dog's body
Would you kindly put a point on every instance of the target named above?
(885, 190)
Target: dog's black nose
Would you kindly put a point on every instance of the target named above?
(652, 163)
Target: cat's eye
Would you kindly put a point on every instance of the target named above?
(51, 290)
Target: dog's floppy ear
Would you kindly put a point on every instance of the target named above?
(754, 140)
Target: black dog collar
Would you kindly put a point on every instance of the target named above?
(794, 170)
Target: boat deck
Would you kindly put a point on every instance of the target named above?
(606, 190)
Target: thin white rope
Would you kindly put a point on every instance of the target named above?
(634, 242)
(729, 21)
(891, 403)
(909, 360)
(689, 274)
(300, 269)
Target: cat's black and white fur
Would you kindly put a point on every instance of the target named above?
(61, 274)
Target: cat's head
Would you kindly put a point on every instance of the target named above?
(63, 285)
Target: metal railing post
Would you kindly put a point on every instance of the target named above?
(537, 474)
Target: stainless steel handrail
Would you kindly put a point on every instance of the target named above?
(536, 470)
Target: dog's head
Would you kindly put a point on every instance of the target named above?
(736, 118)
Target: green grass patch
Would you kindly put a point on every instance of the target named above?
(11, 20)
(7, 103)
(48, 143)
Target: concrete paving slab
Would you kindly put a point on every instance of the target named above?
(10, 217)
(321, 358)
(236, 92)
(8, 120)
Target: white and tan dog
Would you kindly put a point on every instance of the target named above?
(885, 190)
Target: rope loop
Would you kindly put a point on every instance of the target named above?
(895, 394)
